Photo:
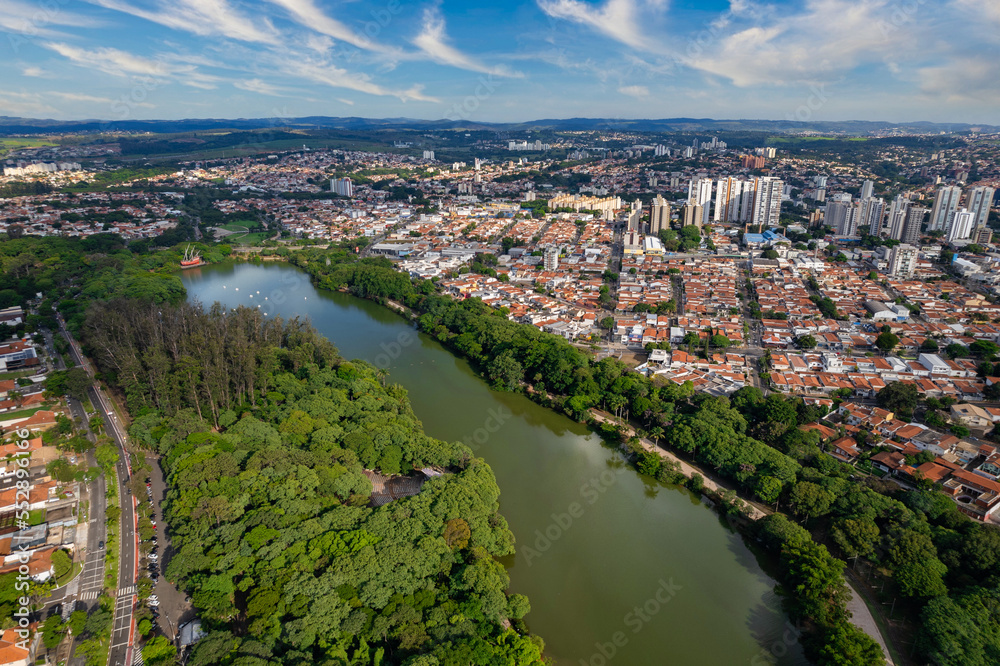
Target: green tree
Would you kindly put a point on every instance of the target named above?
(806, 342)
(810, 499)
(898, 397)
(158, 650)
(886, 341)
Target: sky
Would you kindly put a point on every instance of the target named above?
(502, 61)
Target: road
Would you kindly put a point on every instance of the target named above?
(123, 629)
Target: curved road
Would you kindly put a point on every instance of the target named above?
(123, 629)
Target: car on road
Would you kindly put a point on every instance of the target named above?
(100, 544)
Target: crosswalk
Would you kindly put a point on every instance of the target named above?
(67, 610)
(126, 590)
(90, 595)
(137, 656)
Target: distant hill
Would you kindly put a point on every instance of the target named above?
(12, 125)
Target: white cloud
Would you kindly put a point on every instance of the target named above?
(962, 81)
(31, 70)
(828, 37)
(617, 19)
(635, 91)
(433, 42)
(26, 20)
(259, 86)
(28, 104)
(121, 63)
(333, 76)
(306, 13)
(202, 17)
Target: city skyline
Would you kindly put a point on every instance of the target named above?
(810, 60)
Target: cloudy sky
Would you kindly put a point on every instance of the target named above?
(506, 60)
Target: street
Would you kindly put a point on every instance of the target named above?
(123, 628)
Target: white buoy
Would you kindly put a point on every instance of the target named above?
(251, 295)
(258, 291)
(237, 288)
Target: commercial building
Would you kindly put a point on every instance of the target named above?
(959, 226)
(342, 186)
(903, 260)
(978, 202)
(659, 215)
(945, 204)
(767, 201)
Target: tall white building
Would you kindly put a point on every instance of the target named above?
(342, 186)
(727, 199)
(959, 226)
(747, 201)
(914, 221)
(551, 258)
(843, 217)
(945, 204)
(767, 201)
(635, 215)
(872, 213)
(700, 194)
(903, 260)
(978, 202)
(867, 188)
(659, 215)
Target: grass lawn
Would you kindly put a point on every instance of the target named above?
(250, 239)
(16, 374)
(237, 226)
(9, 144)
(36, 517)
(22, 414)
(71, 574)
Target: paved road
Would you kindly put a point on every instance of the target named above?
(123, 630)
(174, 608)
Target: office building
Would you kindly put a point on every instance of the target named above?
(342, 186)
(659, 215)
(700, 194)
(959, 226)
(903, 260)
(727, 199)
(978, 202)
(914, 221)
(551, 258)
(872, 214)
(867, 189)
(945, 205)
(635, 216)
(428, 154)
(693, 214)
(767, 202)
(843, 217)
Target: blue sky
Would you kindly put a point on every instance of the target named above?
(507, 60)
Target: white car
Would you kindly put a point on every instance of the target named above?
(153, 556)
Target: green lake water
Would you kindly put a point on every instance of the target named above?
(619, 569)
